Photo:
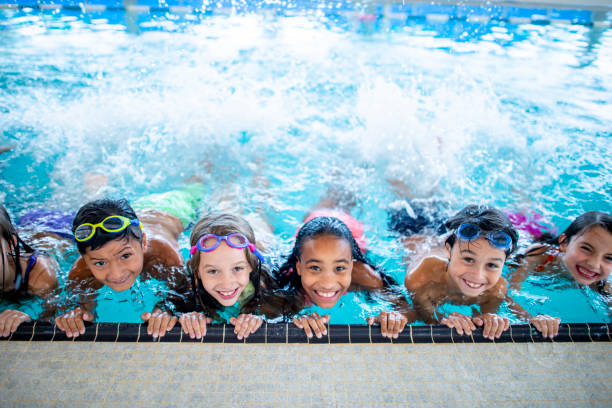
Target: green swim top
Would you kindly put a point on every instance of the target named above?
(182, 203)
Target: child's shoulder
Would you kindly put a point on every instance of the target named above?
(430, 268)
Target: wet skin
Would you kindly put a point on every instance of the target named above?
(325, 267)
(588, 256)
(224, 273)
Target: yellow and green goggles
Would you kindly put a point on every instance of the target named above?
(112, 224)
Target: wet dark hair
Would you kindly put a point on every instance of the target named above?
(488, 219)
(288, 277)
(15, 243)
(95, 211)
(582, 224)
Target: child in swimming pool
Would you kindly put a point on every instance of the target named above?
(326, 263)
(25, 273)
(583, 251)
(481, 238)
(119, 252)
(228, 275)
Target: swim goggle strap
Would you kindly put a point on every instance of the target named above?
(470, 232)
(210, 242)
(112, 224)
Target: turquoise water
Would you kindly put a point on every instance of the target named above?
(515, 116)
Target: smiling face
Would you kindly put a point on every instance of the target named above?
(588, 256)
(224, 273)
(325, 267)
(475, 266)
(117, 263)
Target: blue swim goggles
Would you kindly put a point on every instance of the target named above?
(210, 242)
(470, 232)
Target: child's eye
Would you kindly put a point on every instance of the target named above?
(126, 256)
(467, 259)
(608, 258)
(211, 271)
(340, 268)
(238, 268)
(585, 248)
(99, 264)
(315, 268)
(493, 266)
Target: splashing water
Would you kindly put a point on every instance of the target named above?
(302, 102)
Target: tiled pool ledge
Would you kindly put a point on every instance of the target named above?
(289, 334)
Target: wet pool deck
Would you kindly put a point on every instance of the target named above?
(57, 374)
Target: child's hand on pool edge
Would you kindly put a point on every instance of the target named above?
(547, 325)
(72, 322)
(194, 324)
(10, 320)
(312, 323)
(494, 325)
(391, 323)
(160, 322)
(245, 324)
(461, 323)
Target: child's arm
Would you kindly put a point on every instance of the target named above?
(493, 325)
(81, 290)
(533, 257)
(547, 325)
(42, 282)
(391, 322)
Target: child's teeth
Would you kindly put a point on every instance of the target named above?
(326, 294)
(473, 285)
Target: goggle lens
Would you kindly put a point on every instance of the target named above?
(83, 231)
(112, 224)
(500, 239)
(468, 231)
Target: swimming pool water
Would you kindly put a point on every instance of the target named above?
(512, 115)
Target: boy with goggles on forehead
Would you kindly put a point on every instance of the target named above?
(467, 271)
(122, 256)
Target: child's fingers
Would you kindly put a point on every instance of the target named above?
(541, 327)
(556, 324)
(154, 323)
(400, 322)
(298, 322)
(19, 318)
(503, 325)
(79, 324)
(201, 324)
(477, 321)
(306, 327)
(243, 326)
(145, 316)
(370, 320)
(383, 320)
(466, 325)
(187, 325)
(321, 321)
(256, 324)
(490, 328)
(313, 322)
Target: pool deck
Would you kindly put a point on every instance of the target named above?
(52, 374)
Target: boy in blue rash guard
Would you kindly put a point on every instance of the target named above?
(28, 277)
(122, 257)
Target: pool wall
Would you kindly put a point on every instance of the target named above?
(289, 333)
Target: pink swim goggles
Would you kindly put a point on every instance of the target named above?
(210, 242)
